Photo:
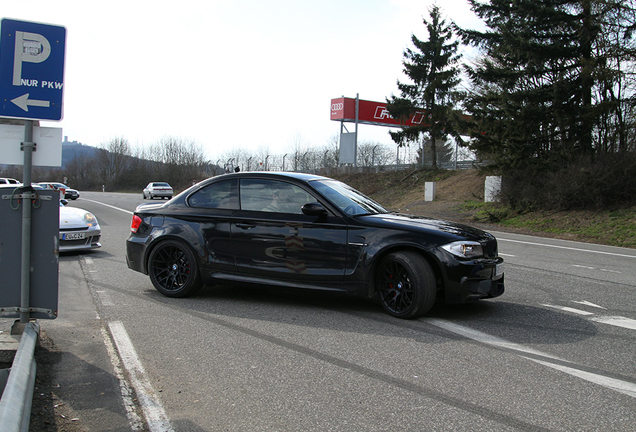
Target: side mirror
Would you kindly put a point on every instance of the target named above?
(64, 201)
(314, 209)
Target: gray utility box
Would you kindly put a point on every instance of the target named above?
(45, 226)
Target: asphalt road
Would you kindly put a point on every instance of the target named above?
(555, 352)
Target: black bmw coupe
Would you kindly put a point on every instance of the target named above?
(309, 232)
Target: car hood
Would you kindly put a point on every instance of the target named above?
(423, 224)
(72, 217)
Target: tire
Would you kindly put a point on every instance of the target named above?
(173, 269)
(143, 195)
(405, 284)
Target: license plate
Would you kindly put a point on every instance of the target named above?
(499, 270)
(74, 236)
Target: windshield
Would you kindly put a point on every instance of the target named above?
(347, 198)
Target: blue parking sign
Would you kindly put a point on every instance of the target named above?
(31, 70)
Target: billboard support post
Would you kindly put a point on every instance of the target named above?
(355, 147)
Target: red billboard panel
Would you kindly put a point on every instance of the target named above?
(369, 112)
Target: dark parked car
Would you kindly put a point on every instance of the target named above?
(67, 191)
(304, 231)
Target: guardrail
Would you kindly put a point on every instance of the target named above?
(17, 396)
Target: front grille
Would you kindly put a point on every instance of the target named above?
(82, 242)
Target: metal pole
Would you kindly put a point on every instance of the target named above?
(456, 149)
(27, 147)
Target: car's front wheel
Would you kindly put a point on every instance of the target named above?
(173, 269)
(405, 283)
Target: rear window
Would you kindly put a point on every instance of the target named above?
(223, 195)
(161, 185)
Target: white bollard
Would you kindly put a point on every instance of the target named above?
(492, 189)
(430, 188)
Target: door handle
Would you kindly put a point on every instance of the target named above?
(245, 225)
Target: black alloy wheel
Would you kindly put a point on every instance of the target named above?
(173, 269)
(405, 283)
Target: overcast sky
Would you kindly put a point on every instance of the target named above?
(226, 74)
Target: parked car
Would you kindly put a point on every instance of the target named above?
(309, 232)
(6, 180)
(65, 191)
(79, 229)
(157, 189)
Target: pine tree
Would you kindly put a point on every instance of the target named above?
(536, 97)
(432, 66)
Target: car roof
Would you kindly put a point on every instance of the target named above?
(274, 175)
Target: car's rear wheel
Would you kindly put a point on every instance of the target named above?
(405, 283)
(173, 269)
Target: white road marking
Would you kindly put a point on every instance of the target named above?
(108, 205)
(566, 247)
(624, 387)
(594, 268)
(507, 255)
(136, 422)
(485, 338)
(569, 309)
(587, 303)
(617, 321)
(105, 298)
(153, 411)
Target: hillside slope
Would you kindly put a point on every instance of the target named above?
(404, 191)
(460, 198)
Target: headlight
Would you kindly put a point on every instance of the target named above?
(90, 219)
(464, 249)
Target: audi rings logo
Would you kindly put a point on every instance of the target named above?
(337, 106)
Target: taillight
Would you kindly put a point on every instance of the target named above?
(135, 223)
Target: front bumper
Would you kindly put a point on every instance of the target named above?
(90, 241)
(473, 280)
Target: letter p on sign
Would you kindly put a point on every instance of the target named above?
(29, 48)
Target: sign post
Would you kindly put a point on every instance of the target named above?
(31, 88)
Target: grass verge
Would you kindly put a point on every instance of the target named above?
(609, 227)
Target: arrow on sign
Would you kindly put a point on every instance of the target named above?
(24, 102)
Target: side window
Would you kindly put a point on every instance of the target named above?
(221, 195)
(273, 196)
